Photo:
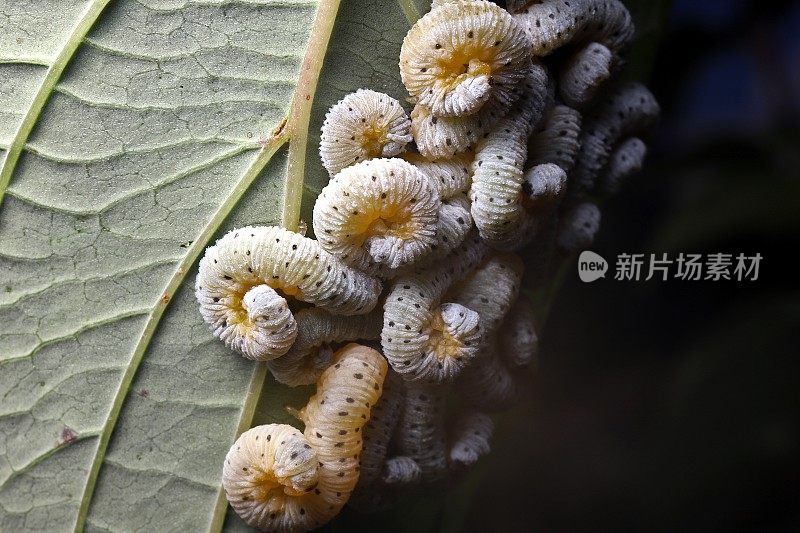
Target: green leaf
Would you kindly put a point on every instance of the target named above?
(133, 133)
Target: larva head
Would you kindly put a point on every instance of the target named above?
(578, 227)
(401, 471)
(378, 215)
(265, 468)
(363, 125)
(626, 160)
(584, 74)
(518, 340)
(269, 329)
(543, 187)
(470, 439)
(462, 53)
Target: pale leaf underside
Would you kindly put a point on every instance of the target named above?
(132, 134)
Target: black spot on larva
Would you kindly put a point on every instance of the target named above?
(343, 413)
(269, 437)
(293, 456)
(358, 375)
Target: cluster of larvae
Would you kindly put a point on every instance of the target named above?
(517, 128)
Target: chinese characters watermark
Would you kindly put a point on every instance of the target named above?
(684, 266)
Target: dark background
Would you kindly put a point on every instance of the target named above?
(674, 405)
(671, 405)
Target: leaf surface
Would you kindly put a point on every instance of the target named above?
(132, 134)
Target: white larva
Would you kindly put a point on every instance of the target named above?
(557, 140)
(470, 438)
(584, 73)
(424, 338)
(551, 24)
(626, 159)
(630, 110)
(421, 433)
(478, 34)
(378, 215)
(244, 278)
(490, 290)
(278, 479)
(578, 227)
(311, 352)
(452, 175)
(363, 125)
(518, 341)
(490, 384)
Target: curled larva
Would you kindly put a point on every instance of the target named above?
(489, 383)
(378, 215)
(244, 277)
(627, 111)
(311, 352)
(451, 175)
(421, 432)
(551, 24)
(424, 338)
(626, 160)
(278, 479)
(578, 227)
(470, 438)
(518, 341)
(461, 54)
(497, 171)
(584, 73)
(490, 290)
(363, 125)
(556, 140)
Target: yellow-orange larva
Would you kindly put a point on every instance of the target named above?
(244, 278)
(461, 54)
(311, 352)
(278, 479)
(363, 125)
(378, 215)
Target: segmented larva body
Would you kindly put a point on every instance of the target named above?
(311, 352)
(557, 140)
(278, 479)
(421, 433)
(423, 338)
(489, 383)
(628, 111)
(462, 53)
(243, 278)
(490, 290)
(578, 227)
(518, 341)
(551, 24)
(470, 438)
(497, 171)
(379, 475)
(626, 159)
(584, 73)
(363, 125)
(378, 432)
(378, 215)
(451, 175)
